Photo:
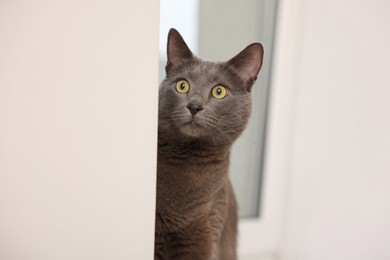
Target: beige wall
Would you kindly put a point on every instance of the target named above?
(332, 90)
(78, 112)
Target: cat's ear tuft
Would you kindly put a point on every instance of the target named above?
(177, 50)
(247, 63)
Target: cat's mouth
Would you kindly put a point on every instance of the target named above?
(194, 127)
(194, 121)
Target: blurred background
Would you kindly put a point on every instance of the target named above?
(313, 166)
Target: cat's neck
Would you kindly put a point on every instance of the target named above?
(197, 151)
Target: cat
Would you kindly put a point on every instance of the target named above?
(203, 107)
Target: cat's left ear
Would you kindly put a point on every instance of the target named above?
(247, 63)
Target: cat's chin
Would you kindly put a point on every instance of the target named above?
(194, 130)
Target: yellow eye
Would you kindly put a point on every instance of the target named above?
(182, 86)
(219, 92)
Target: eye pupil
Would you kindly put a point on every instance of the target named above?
(219, 92)
(182, 86)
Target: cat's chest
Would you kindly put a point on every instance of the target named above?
(181, 208)
(189, 176)
(188, 187)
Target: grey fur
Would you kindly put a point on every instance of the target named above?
(196, 214)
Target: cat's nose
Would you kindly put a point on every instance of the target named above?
(194, 108)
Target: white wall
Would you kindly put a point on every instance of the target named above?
(78, 120)
(331, 108)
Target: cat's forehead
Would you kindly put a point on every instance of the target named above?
(206, 71)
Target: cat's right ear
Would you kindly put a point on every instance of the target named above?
(177, 51)
(247, 63)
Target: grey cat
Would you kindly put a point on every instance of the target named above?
(203, 107)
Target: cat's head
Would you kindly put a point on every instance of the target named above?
(206, 100)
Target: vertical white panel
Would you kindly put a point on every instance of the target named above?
(78, 120)
(338, 195)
